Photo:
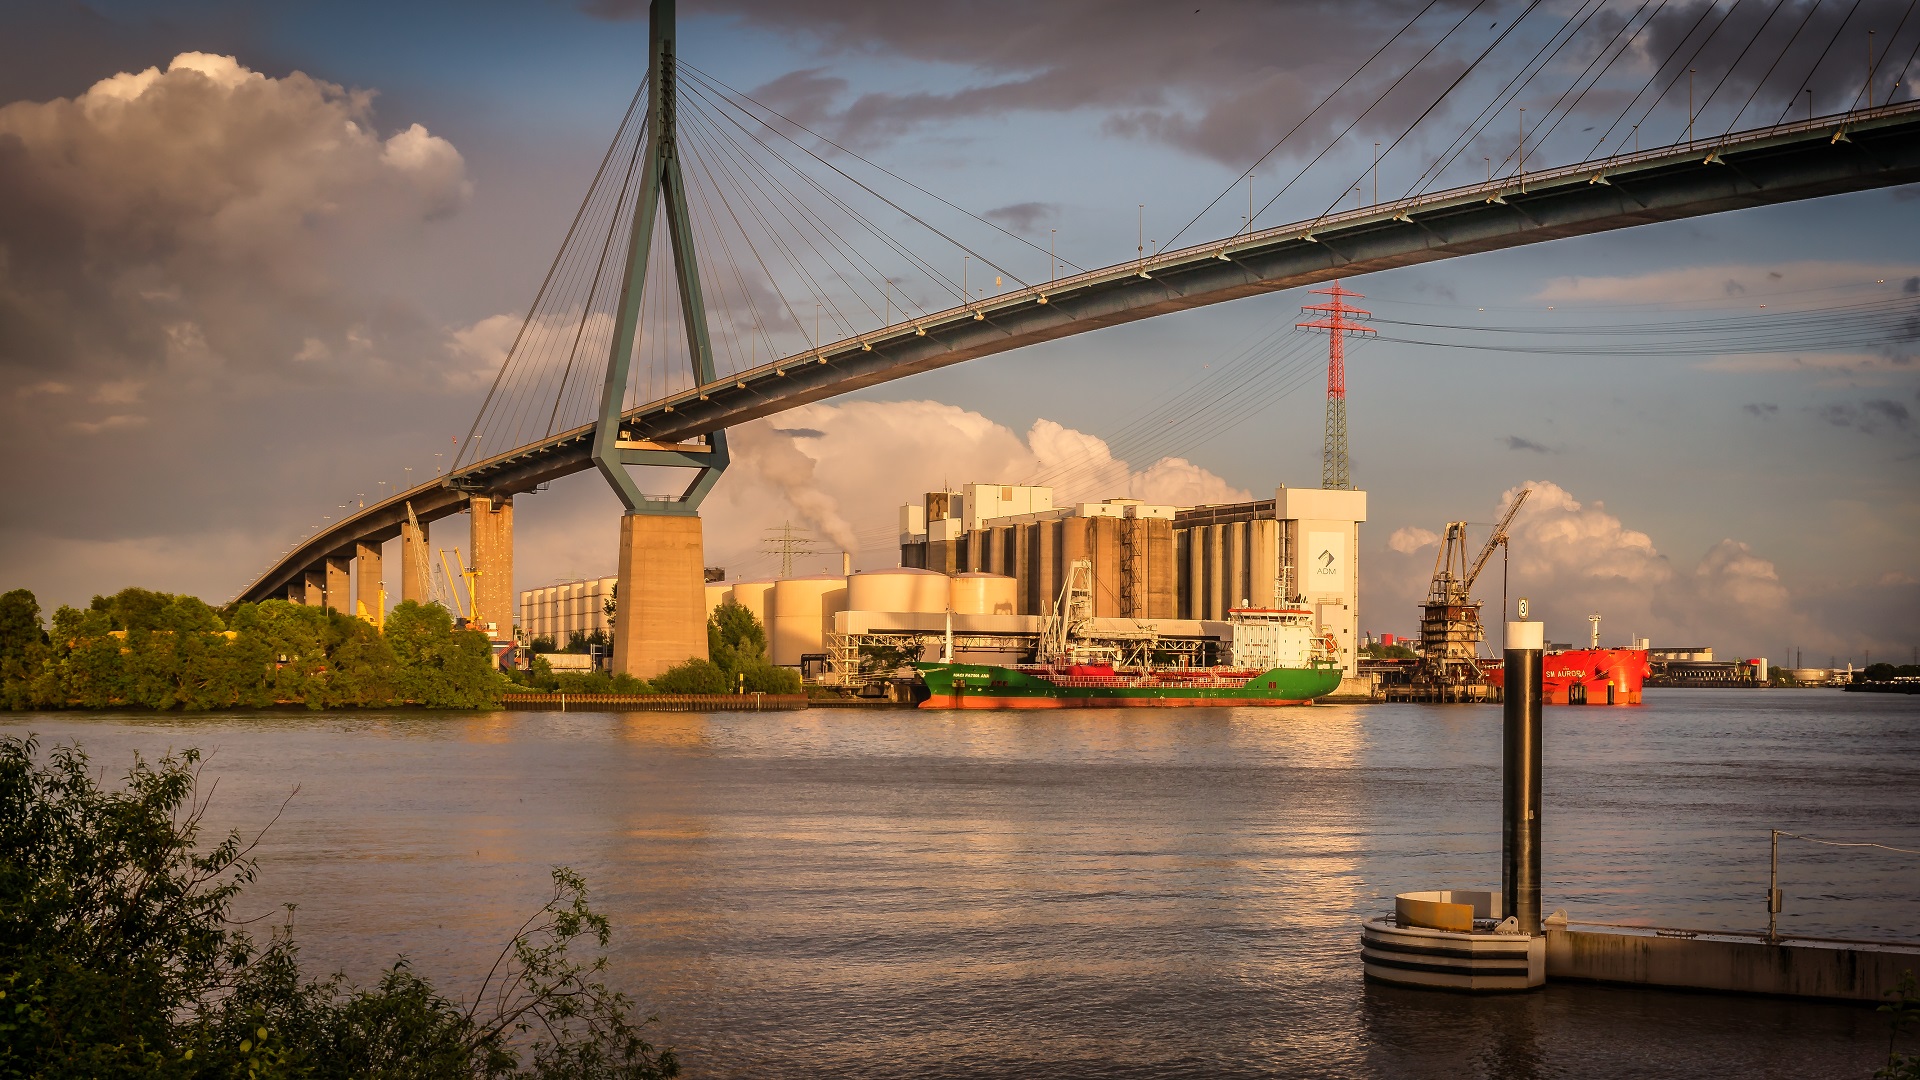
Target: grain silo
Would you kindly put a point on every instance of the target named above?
(985, 594)
(803, 611)
(757, 597)
(903, 590)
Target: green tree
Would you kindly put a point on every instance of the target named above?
(695, 676)
(24, 647)
(20, 628)
(119, 958)
(737, 644)
(438, 665)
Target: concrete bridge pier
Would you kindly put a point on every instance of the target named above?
(661, 618)
(492, 518)
(416, 564)
(369, 581)
(337, 573)
(313, 586)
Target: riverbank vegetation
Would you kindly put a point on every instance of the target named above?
(736, 646)
(156, 650)
(152, 650)
(124, 953)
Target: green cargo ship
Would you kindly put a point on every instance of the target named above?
(1101, 686)
(1277, 660)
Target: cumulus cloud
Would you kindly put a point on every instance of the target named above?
(184, 266)
(187, 220)
(1411, 538)
(1572, 557)
(842, 470)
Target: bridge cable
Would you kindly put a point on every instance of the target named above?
(910, 214)
(847, 250)
(1874, 70)
(862, 220)
(814, 285)
(1506, 94)
(723, 88)
(1807, 79)
(547, 279)
(1442, 96)
(1733, 67)
(599, 268)
(1248, 171)
(1335, 141)
(533, 359)
(1705, 11)
(1574, 105)
(1786, 48)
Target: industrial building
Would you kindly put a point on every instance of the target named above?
(560, 611)
(982, 569)
(1153, 562)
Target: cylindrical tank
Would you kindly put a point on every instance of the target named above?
(905, 589)
(716, 595)
(803, 610)
(757, 597)
(985, 594)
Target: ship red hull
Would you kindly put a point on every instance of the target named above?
(1588, 676)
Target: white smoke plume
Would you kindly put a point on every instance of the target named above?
(843, 470)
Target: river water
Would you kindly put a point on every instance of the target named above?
(1141, 893)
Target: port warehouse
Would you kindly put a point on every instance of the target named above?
(996, 556)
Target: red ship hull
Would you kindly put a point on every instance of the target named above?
(1587, 676)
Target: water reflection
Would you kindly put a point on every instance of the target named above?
(1151, 893)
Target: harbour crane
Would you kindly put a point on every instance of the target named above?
(1450, 626)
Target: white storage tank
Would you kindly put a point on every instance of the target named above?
(757, 597)
(903, 589)
(717, 594)
(985, 594)
(803, 611)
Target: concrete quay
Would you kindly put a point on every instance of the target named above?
(1830, 968)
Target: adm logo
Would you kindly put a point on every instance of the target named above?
(1326, 560)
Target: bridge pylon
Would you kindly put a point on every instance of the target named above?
(661, 615)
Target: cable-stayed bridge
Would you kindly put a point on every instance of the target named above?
(616, 364)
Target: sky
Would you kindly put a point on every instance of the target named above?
(258, 262)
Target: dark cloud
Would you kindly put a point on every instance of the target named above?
(1515, 442)
(1022, 217)
(1227, 80)
(1761, 408)
(801, 432)
(1911, 286)
(1871, 416)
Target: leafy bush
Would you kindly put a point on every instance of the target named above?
(118, 958)
(695, 676)
(762, 677)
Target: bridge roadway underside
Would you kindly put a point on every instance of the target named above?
(1786, 164)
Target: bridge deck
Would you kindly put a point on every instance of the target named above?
(1785, 163)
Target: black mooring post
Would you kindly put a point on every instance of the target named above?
(1520, 775)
